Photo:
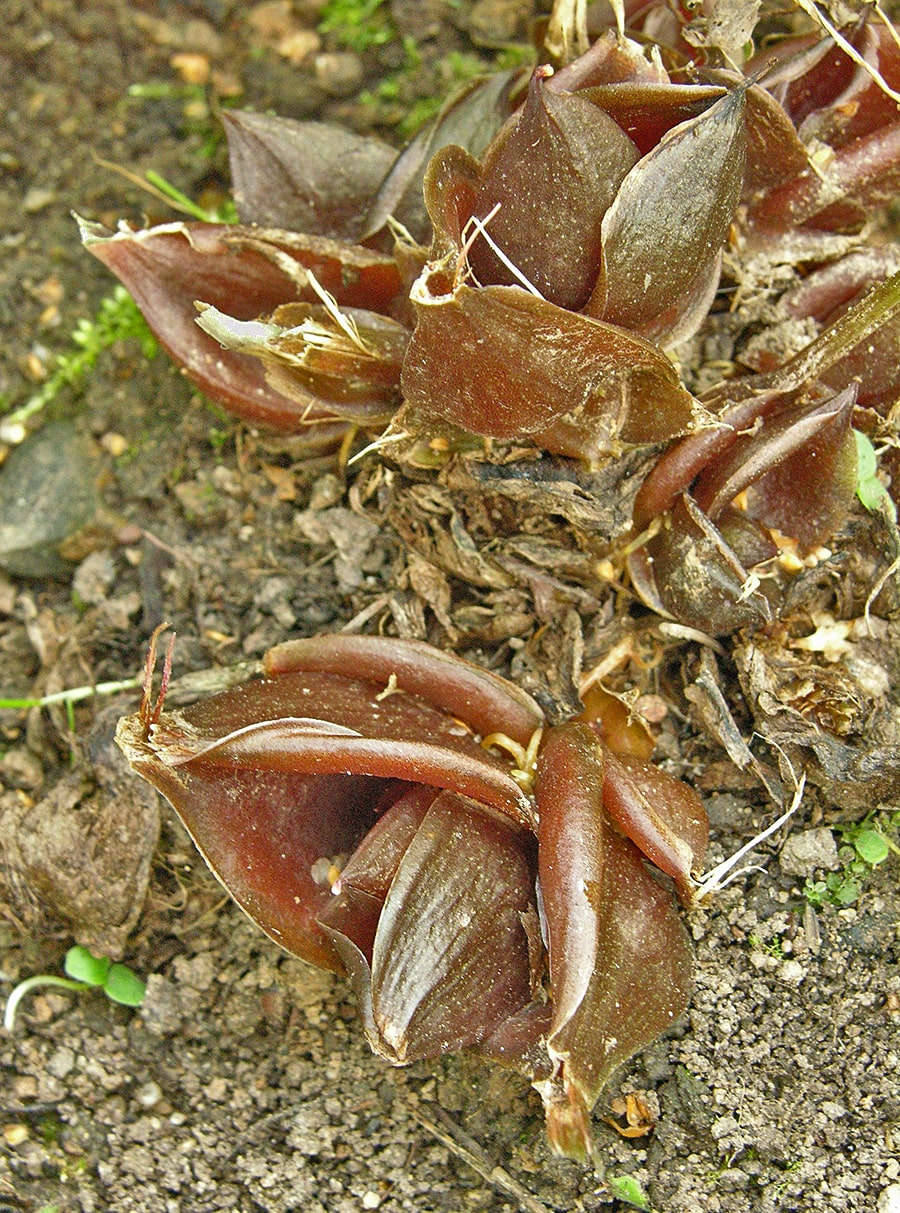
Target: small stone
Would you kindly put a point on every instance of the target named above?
(201, 502)
(497, 22)
(94, 578)
(808, 852)
(327, 491)
(791, 972)
(21, 769)
(888, 1199)
(37, 199)
(61, 1063)
(48, 494)
(114, 444)
(161, 1010)
(149, 1095)
(339, 73)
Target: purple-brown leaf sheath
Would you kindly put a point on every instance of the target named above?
(553, 175)
(860, 176)
(827, 96)
(799, 471)
(827, 294)
(501, 362)
(449, 961)
(304, 176)
(660, 814)
(303, 759)
(620, 962)
(693, 572)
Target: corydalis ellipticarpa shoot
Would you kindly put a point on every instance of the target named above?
(515, 286)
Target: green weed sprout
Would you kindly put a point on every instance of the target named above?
(70, 697)
(117, 317)
(869, 489)
(627, 1189)
(865, 847)
(357, 24)
(85, 971)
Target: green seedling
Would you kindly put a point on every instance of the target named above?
(869, 489)
(357, 24)
(837, 889)
(117, 318)
(627, 1189)
(773, 948)
(84, 971)
(866, 845)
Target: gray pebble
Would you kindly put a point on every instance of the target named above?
(808, 852)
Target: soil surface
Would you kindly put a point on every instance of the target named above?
(244, 1081)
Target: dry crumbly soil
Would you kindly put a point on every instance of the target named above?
(244, 1081)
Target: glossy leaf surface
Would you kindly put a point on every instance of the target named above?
(501, 362)
(488, 703)
(663, 235)
(620, 966)
(347, 805)
(307, 176)
(450, 958)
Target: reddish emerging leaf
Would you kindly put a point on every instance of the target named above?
(245, 272)
(648, 110)
(553, 175)
(307, 176)
(278, 774)
(620, 965)
(449, 960)
(663, 234)
(501, 362)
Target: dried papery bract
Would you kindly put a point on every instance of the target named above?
(361, 803)
(342, 363)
